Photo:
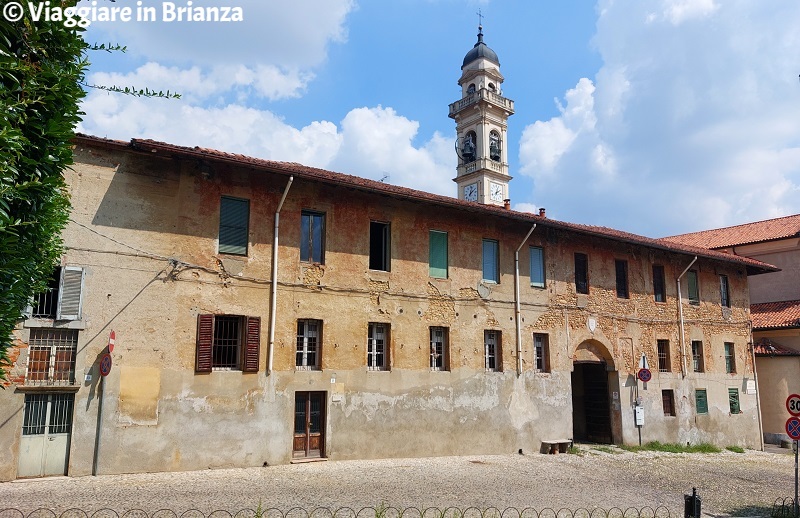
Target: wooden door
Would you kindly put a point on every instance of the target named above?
(309, 425)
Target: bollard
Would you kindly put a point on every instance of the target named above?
(691, 505)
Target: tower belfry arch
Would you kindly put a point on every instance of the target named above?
(481, 117)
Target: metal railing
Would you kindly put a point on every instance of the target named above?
(784, 508)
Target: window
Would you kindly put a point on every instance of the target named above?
(377, 352)
(234, 216)
(437, 254)
(471, 89)
(491, 251)
(733, 400)
(659, 285)
(227, 342)
(668, 402)
(701, 401)
(694, 288)
(379, 246)
(621, 267)
(730, 358)
(724, 295)
(663, 355)
(308, 345)
(541, 361)
(581, 273)
(697, 355)
(492, 348)
(537, 267)
(51, 357)
(439, 349)
(63, 298)
(469, 150)
(312, 237)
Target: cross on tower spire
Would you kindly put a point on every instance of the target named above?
(480, 18)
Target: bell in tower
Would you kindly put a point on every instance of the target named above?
(481, 117)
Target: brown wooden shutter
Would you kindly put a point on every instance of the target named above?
(252, 344)
(205, 343)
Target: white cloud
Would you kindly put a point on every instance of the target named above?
(374, 143)
(691, 122)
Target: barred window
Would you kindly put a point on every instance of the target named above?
(730, 358)
(227, 342)
(541, 359)
(439, 348)
(377, 340)
(697, 356)
(51, 356)
(308, 344)
(663, 355)
(492, 347)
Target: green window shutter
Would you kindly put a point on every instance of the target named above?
(694, 292)
(701, 401)
(438, 254)
(234, 216)
(733, 398)
(537, 267)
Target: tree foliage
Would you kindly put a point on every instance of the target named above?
(42, 66)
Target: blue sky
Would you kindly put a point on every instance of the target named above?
(652, 116)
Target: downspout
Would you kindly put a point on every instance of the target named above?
(755, 380)
(680, 318)
(273, 305)
(516, 301)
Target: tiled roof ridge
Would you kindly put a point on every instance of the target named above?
(767, 315)
(763, 230)
(767, 347)
(148, 145)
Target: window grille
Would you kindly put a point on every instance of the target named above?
(697, 356)
(730, 358)
(376, 346)
(45, 304)
(491, 343)
(51, 357)
(540, 353)
(47, 413)
(227, 342)
(733, 400)
(307, 357)
(438, 348)
(663, 355)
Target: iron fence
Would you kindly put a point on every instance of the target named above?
(347, 512)
(784, 508)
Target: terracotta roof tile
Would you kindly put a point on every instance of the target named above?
(770, 315)
(758, 232)
(766, 347)
(301, 171)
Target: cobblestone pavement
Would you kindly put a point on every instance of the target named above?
(743, 484)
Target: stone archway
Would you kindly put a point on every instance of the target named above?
(593, 368)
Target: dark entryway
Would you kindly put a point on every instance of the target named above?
(309, 425)
(591, 412)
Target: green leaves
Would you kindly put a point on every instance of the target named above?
(42, 67)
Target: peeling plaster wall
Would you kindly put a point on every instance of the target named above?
(145, 229)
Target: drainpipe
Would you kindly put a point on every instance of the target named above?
(755, 380)
(680, 318)
(273, 305)
(516, 301)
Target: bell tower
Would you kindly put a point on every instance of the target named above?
(481, 117)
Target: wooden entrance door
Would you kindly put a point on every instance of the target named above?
(309, 425)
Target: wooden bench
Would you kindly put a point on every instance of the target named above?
(554, 446)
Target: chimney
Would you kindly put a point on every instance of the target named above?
(541, 212)
(507, 203)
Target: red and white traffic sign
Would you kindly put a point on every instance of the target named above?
(105, 364)
(112, 339)
(793, 428)
(644, 375)
(793, 404)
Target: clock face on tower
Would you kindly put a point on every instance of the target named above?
(495, 191)
(471, 192)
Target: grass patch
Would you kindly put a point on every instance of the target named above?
(673, 448)
(574, 450)
(735, 449)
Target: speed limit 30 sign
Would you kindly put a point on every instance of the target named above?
(793, 404)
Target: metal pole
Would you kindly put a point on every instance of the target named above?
(518, 324)
(796, 509)
(99, 423)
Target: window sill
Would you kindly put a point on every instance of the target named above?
(54, 324)
(47, 388)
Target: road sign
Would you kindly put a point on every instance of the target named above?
(105, 364)
(112, 339)
(793, 404)
(793, 428)
(644, 375)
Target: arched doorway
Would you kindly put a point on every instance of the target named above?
(591, 401)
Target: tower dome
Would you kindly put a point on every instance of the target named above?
(480, 50)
